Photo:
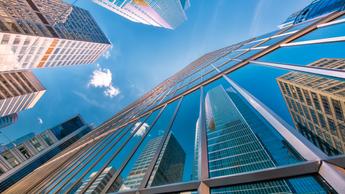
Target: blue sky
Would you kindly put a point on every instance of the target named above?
(143, 56)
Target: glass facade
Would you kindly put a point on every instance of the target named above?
(265, 115)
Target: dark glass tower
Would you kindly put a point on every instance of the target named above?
(172, 156)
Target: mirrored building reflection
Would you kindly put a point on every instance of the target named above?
(317, 105)
(101, 181)
(172, 156)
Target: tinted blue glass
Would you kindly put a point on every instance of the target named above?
(74, 167)
(60, 176)
(311, 53)
(194, 83)
(307, 102)
(251, 44)
(221, 61)
(248, 54)
(325, 32)
(84, 177)
(306, 184)
(227, 65)
(178, 160)
(239, 139)
(210, 74)
(234, 54)
(77, 173)
(138, 131)
(135, 170)
(275, 40)
(300, 26)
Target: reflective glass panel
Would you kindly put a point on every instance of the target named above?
(67, 181)
(95, 163)
(177, 161)
(135, 170)
(311, 54)
(239, 139)
(312, 104)
(248, 54)
(324, 32)
(306, 184)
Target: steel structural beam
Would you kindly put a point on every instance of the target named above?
(305, 69)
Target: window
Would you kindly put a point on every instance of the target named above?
(339, 113)
(316, 101)
(326, 105)
(47, 139)
(10, 158)
(23, 150)
(36, 144)
(5, 39)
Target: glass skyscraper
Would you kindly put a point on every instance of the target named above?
(239, 116)
(167, 14)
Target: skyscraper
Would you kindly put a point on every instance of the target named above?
(101, 181)
(167, 14)
(138, 171)
(8, 120)
(228, 111)
(315, 9)
(172, 156)
(25, 154)
(317, 105)
(47, 33)
(19, 90)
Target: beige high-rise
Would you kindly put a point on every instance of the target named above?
(317, 105)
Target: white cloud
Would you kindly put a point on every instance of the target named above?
(102, 78)
(142, 129)
(112, 91)
(40, 120)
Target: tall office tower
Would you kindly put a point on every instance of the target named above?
(101, 181)
(172, 156)
(227, 112)
(8, 120)
(47, 33)
(233, 146)
(167, 14)
(317, 105)
(315, 9)
(19, 90)
(25, 154)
